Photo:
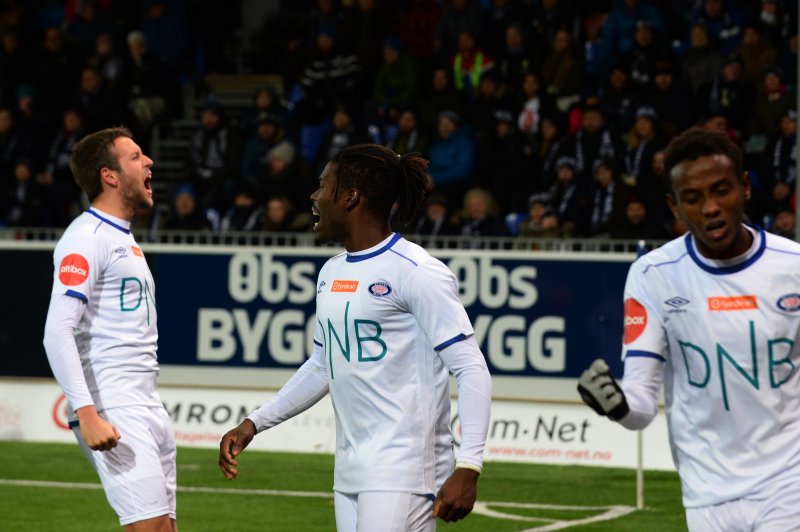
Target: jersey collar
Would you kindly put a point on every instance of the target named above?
(737, 264)
(375, 250)
(113, 221)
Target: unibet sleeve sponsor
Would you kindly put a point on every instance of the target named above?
(78, 261)
(642, 328)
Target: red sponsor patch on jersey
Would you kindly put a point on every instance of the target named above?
(733, 303)
(137, 251)
(344, 286)
(74, 270)
(635, 320)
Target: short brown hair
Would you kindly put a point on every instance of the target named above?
(91, 154)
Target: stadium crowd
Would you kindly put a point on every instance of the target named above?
(540, 118)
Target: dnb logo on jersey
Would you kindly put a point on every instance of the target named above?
(635, 320)
(380, 289)
(74, 270)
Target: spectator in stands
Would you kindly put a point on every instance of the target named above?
(364, 30)
(33, 125)
(549, 145)
(651, 189)
(409, 136)
(457, 16)
(671, 99)
(16, 65)
(60, 192)
(186, 214)
(267, 134)
(783, 152)
(213, 157)
(638, 224)
(21, 200)
(548, 17)
(57, 71)
(533, 104)
(331, 77)
(619, 28)
(164, 28)
(777, 21)
(513, 61)
(279, 217)
(143, 82)
(618, 99)
(498, 16)
(702, 61)
(593, 141)
(783, 224)
(91, 20)
(724, 21)
(642, 141)
(417, 26)
(109, 63)
(480, 216)
(609, 195)
(440, 96)
(434, 221)
(97, 106)
(482, 108)
(285, 179)
(772, 102)
(469, 62)
(541, 221)
(451, 158)
(341, 135)
(641, 58)
(13, 146)
(266, 101)
(570, 199)
(244, 214)
(757, 54)
(562, 70)
(504, 163)
(396, 80)
(732, 95)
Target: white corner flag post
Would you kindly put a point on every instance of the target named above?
(641, 249)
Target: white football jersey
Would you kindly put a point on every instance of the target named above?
(382, 315)
(98, 261)
(728, 332)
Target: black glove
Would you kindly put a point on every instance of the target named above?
(601, 392)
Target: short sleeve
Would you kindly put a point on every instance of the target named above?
(78, 261)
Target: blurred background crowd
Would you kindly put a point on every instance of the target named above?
(540, 118)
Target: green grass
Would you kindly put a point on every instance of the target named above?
(40, 509)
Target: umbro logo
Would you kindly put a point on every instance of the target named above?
(321, 285)
(676, 302)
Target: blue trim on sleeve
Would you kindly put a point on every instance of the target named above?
(450, 342)
(359, 258)
(109, 222)
(728, 269)
(317, 343)
(77, 295)
(645, 354)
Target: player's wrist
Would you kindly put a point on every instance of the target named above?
(469, 467)
(86, 413)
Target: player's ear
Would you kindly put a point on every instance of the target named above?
(747, 186)
(108, 177)
(352, 198)
(673, 204)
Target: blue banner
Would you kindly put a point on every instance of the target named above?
(532, 316)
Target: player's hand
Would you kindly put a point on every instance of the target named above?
(232, 444)
(600, 391)
(457, 495)
(99, 434)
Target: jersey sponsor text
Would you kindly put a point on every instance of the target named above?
(74, 270)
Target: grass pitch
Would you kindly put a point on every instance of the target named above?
(51, 487)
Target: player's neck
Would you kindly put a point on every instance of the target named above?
(111, 205)
(366, 235)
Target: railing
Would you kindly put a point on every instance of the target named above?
(289, 240)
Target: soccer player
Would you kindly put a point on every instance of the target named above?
(390, 326)
(715, 316)
(100, 335)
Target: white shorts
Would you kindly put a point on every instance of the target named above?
(384, 511)
(779, 513)
(138, 475)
